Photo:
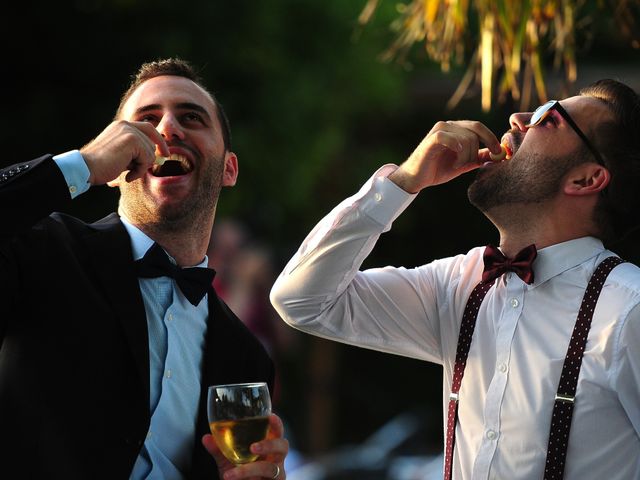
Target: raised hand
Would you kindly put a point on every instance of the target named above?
(122, 146)
(449, 150)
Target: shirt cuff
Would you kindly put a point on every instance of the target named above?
(75, 171)
(383, 200)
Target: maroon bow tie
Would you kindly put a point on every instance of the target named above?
(495, 263)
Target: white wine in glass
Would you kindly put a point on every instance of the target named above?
(239, 416)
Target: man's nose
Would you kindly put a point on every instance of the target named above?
(169, 127)
(520, 120)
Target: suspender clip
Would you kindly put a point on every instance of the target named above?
(565, 398)
(453, 396)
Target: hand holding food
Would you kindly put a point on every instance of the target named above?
(505, 154)
(449, 150)
(122, 148)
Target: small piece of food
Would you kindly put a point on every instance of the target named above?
(498, 157)
(507, 150)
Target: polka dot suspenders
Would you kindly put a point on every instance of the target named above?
(467, 326)
(564, 400)
(563, 406)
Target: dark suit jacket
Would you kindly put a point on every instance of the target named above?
(74, 353)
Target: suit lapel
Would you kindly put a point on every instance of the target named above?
(214, 356)
(110, 252)
(217, 363)
(231, 355)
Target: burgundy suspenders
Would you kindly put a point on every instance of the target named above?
(564, 400)
(563, 406)
(467, 326)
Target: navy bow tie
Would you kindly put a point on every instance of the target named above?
(495, 263)
(194, 282)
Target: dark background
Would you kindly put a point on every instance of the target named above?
(313, 113)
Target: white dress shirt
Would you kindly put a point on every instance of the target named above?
(518, 347)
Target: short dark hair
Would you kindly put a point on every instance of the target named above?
(618, 209)
(178, 68)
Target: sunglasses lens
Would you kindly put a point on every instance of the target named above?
(541, 113)
(536, 117)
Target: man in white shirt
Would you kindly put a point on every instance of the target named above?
(569, 183)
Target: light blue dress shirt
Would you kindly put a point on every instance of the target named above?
(176, 340)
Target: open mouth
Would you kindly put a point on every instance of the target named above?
(172, 166)
(507, 149)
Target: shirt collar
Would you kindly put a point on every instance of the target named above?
(141, 242)
(559, 258)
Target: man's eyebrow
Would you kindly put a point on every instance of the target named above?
(181, 106)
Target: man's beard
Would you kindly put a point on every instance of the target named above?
(194, 210)
(530, 180)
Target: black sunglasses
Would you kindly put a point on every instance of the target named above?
(543, 112)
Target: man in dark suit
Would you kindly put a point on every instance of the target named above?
(104, 367)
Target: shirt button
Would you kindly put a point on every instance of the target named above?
(149, 435)
(491, 435)
(167, 374)
(502, 367)
(72, 188)
(170, 317)
(377, 197)
(514, 302)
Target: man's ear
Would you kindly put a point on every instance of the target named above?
(230, 174)
(586, 179)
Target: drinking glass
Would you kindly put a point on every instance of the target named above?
(239, 416)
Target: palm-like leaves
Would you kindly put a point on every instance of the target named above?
(504, 43)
